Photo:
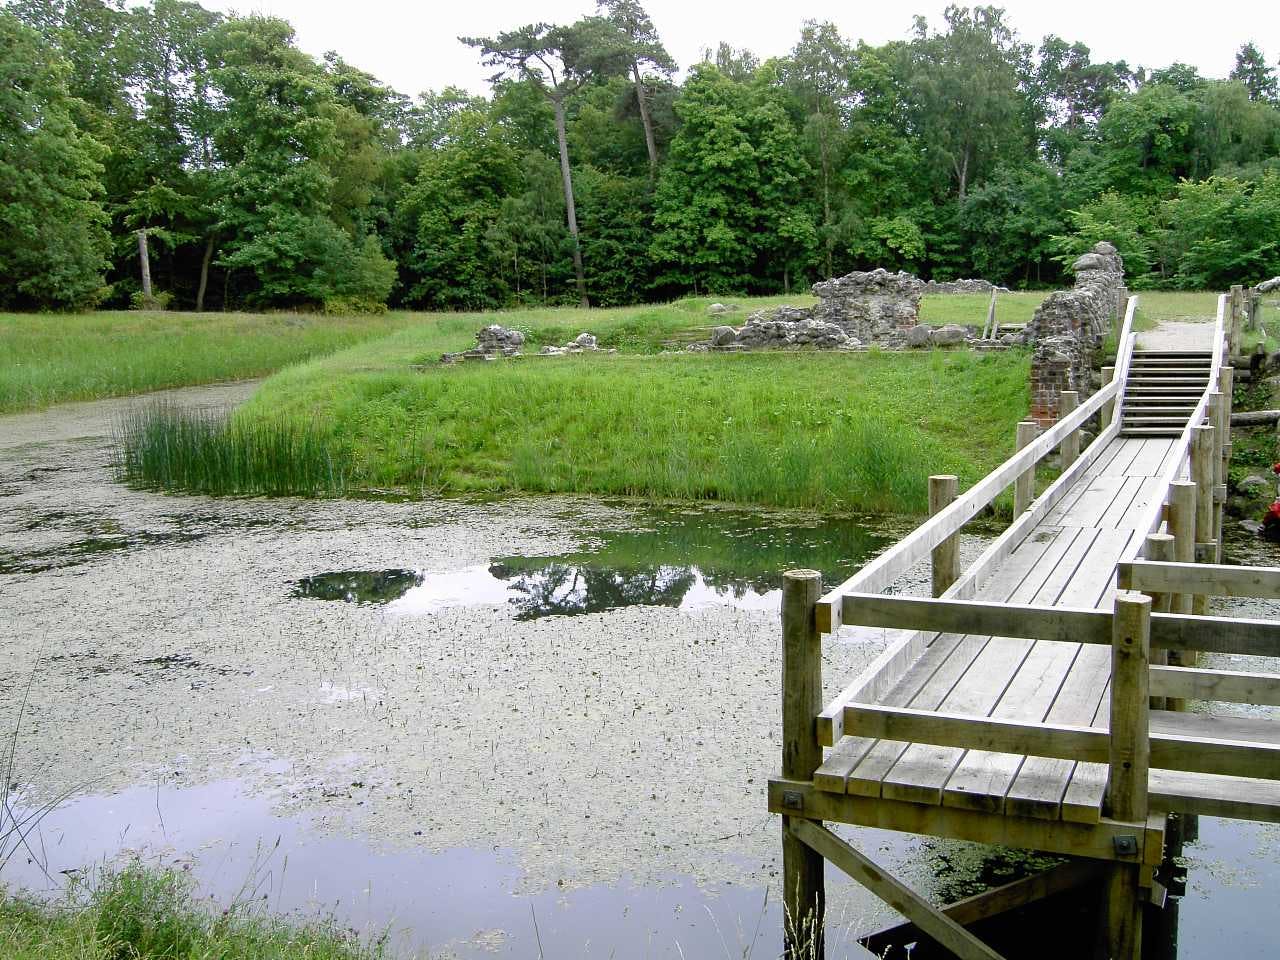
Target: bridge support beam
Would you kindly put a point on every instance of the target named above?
(945, 558)
(1130, 761)
(803, 886)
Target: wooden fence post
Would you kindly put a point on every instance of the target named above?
(803, 889)
(1130, 760)
(1203, 451)
(1237, 319)
(1226, 384)
(1024, 487)
(1109, 408)
(1069, 449)
(1182, 524)
(991, 326)
(946, 555)
(1160, 547)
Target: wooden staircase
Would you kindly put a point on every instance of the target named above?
(1162, 390)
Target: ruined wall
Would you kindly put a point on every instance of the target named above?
(869, 304)
(1068, 328)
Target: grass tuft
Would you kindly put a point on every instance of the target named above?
(139, 913)
(163, 447)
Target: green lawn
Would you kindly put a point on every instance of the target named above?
(52, 358)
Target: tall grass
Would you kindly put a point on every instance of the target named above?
(161, 446)
(137, 913)
(851, 432)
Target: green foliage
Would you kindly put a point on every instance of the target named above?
(729, 210)
(140, 913)
(53, 241)
(266, 177)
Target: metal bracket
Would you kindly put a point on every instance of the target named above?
(1126, 845)
(794, 800)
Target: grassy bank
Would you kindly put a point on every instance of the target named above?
(138, 914)
(859, 432)
(51, 358)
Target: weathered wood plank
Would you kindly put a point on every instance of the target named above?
(1238, 798)
(1214, 580)
(1226, 686)
(884, 569)
(1043, 578)
(992, 903)
(1096, 841)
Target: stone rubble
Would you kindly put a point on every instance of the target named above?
(961, 286)
(496, 341)
(860, 308)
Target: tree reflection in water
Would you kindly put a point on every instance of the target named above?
(561, 589)
(359, 586)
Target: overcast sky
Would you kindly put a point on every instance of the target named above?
(414, 46)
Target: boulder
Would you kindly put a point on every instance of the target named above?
(722, 336)
(921, 335)
(950, 335)
(1253, 484)
(584, 341)
(716, 309)
(1267, 286)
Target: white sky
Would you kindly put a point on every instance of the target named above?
(413, 46)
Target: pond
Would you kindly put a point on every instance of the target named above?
(489, 727)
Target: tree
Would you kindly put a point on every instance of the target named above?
(557, 61)
(730, 211)
(966, 85)
(1251, 69)
(642, 47)
(818, 71)
(53, 238)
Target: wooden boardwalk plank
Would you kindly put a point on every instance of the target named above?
(1019, 573)
(1041, 783)
(922, 770)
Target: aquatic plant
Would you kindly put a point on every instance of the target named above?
(200, 451)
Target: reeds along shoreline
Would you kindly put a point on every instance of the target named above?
(163, 447)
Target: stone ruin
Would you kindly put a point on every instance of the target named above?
(1068, 327)
(495, 341)
(860, 308)
(961, 286)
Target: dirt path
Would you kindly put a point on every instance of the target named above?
(1178, 335)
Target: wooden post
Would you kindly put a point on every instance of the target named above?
(1069, 449)
(1237, 319)
(1160, 547)
(145, 260)
(803, 889)
(946, 555)
(992, 326)
(1226, 384)
(1024, 487)
(1182, 524)
(1108, 410)
(1130, 760)
(1255, 311)
(1219, 471)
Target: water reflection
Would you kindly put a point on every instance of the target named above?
(685, 559)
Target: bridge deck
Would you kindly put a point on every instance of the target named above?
(1069, 560)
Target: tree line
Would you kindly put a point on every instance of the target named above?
(262, 177)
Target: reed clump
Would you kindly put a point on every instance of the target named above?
(161, 446)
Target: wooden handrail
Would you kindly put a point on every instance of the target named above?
(894, 562)
(1181, 453)
(1169, 631)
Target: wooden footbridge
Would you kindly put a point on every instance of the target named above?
(1037, 699)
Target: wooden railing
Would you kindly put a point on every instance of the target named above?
(946, 524)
